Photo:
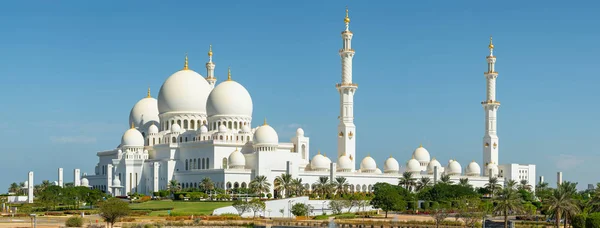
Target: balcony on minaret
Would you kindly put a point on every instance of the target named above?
(351, 85)
(490, 102)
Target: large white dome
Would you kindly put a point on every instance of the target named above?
(237, 160)
(421, 154)
(413, 165)
(473, 169)
(453, 168)
(265, 134)
(144, 112)
(368, 164)
(319, 162)
(132, 137)
(434, 163)
(391, 165)
(153, 129)
(229, 98)
(85, 182)
(344, 163)
(185, 91)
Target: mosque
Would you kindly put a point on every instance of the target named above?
(199, 128)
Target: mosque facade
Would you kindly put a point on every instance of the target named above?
(199, 128)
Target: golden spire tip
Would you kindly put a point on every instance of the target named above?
(148, 96)
(185, 65)
(347, 18)
(229, 74)
(132, 126)
(420, 145)
(265, 122)
(210, 51)
(491, 46)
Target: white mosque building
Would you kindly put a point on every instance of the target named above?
(199, 128)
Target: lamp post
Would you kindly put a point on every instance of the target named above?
(33, 220)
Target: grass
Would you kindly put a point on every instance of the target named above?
(180, 207)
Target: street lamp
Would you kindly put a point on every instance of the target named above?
(290, 208)
(33, 220)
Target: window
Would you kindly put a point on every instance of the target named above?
(207, 163)
(185, 124)
(186, 164)
(174, 140)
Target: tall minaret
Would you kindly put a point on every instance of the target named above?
(490, 106)
(210, 69)
(346, 129)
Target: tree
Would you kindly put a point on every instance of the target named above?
(470, 210)
(112, 210)
(493, 186)
(256, 205)
(561, 201)
(241, 206)
(297, 186)
(445, 179)
(464, 182)
(423, 183)
(323, 186)
(336, 206)
(439, 213)
(387, 197)
(524, 185)
(260, 184)
(174, 186)
(353, 200)
(14, 187)
(283, 185)
(594, 202)
(341, 185)
(511, 184)
(207, 184)
(508, 201)
(407, 180)
(300, 209)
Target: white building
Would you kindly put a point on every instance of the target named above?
(198, 128)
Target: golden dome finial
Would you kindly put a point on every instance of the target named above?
(265, 122)
(185, 64)
(229, 74)
(413, 156)
(148, 96)
(132, 125)
(318, 151)
(347, 18)
(491, 46)
(210, 50)
(421, 145)
(236, 149)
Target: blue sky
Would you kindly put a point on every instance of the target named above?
(72, 70)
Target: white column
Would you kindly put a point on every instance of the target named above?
(155, 177)
(490, 106)
(76, 177)
(109, 176)
(559, 178)
(60, 177)
(30, 187)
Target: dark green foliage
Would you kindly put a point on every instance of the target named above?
(578, 221)
(300, 209)
(389, 197)
(446, 192)
(113, 209)
(74, 221)
(593, 220)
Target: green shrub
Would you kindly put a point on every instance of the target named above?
(593, 220)
(321, 217)
(345, 216)
(578, 221)
(425, 205)
(74, 221)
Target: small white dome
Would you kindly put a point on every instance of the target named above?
(144, 112)
(116, 182)
(203, 129)
(222, 128)
(185, 91)
(237, 160)
(55, 183)
(368, 164)
(175, 128)
(85, 182)
(299, 132)
(229, 98)
(377, 171)
(265, 134)
(132, 137)
(319, 163)
(413, 166)
(493, 167)
(434, 163)
(391, 165)
(344, 163)
(473, 169)
(246, 129)
(26, 184)
(153, 129)
(421, 154)
(454, 168)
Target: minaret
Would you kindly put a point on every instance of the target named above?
(346, 129)
(210, 69)
(490, 106)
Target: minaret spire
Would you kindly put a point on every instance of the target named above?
(346, 128)
(210, 69)
(149, 96)
(228, 73)
(490, 106)
(185, 64)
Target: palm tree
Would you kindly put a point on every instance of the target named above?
(493, 186)
(464, 182)
(407, 180)
(323, 186)
(297, 186)
(22, 187)
(508, 200)
(283, 184)
(14, 187)
(207, 184)
(174, 186)
(511, 184)
(260, 185)
(594, 202)
(341, 185)
(524, 185)
(445, 179)
(423, 183)
(561, 201)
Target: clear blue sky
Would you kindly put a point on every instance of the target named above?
(72, 70)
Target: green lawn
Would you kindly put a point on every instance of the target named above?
(180, 207)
